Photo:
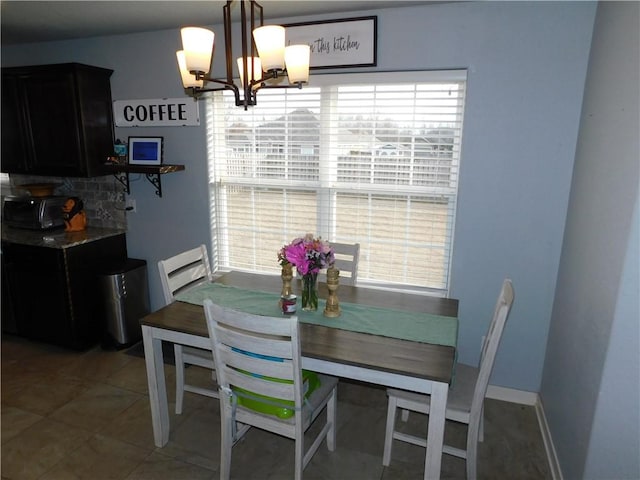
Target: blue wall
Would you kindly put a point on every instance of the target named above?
(527, 67)
(590, 389)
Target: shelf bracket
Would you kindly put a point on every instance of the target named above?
(154, 179)
(123, 178)
(152, 172)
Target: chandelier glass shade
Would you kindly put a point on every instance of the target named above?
(264, 57)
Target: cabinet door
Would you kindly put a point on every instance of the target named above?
(57, 120)
(14, 151)
(6, 303)
(53, 124)
(96, 111)
(37, 286)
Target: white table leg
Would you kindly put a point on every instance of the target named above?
(157, 386)
(435, 435)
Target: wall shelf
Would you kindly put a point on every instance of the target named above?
(151, 172)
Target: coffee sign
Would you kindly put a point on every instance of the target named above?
(162, 112)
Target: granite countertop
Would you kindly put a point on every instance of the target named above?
(56, 238)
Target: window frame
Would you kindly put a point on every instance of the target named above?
(328, 185)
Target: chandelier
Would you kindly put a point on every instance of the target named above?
(264, 61)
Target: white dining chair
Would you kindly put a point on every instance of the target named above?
(178, 274)
(260, 356)
(347, 256)
(466, 396)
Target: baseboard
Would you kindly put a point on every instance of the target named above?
(532, 399)
(512, 395)
(552, 457)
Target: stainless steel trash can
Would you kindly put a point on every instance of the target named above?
(125, 291)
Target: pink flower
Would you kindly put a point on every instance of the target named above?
(297, 255)
(308, 254)
(325, 248)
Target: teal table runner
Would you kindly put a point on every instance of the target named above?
(421, 327)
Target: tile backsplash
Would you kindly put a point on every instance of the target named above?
(103, 197)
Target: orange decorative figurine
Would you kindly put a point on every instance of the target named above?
(75, 220)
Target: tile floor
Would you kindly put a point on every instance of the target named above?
(70, 415)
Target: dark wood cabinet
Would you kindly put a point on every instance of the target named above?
(57, 120)
(14, 150)
(55, 293)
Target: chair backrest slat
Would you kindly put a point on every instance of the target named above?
(259, 366)
(266, 346)
(183, 271)
(255, 323)
(261, 386)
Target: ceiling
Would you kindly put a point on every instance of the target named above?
(23, 21)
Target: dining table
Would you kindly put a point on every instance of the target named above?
(390, 338)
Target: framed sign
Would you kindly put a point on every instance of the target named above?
(156, 112)
(145, 150)
(348, 42)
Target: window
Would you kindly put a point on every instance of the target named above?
(367, 158)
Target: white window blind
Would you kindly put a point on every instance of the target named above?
(367, 158)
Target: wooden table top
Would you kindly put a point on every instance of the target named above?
(421, 360)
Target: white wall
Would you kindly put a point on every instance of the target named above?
(590, 389)
(527, 65)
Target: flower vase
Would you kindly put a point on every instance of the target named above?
(310, 292)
